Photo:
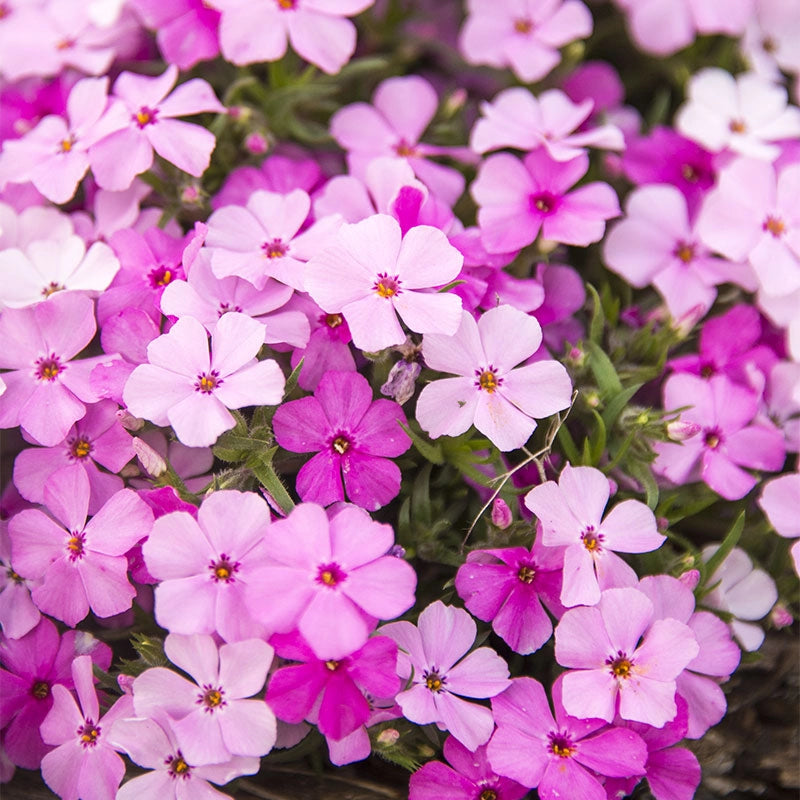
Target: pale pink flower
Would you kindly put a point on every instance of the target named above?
(500, 400)
(18, 614)
(20, 228)
(779, 502)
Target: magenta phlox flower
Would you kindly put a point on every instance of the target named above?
(322, 569)
(83, 763)
(46, 390)
(331, 692)
(211, 719)
(205, 565)
(192, 390)
(357, 746)
(186, 30)
(151, 744)
(372, 273)
(507, 587)
(32, 665)
(564, 294)
(562, 756)
(779, 502)
(18, 614)
(401, 110)
(745, 114)
(82, 564)
(354, 438)
(610, 671)
(54, 155)
(499, 398)
(97, 439)
(141, 119)
(467, 775)
(516, 199)
(727, 442)
(657, 244)
(517, 118)
(263, 239)
(433, 655)
(524, 36)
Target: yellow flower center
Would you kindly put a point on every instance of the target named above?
(526, 574)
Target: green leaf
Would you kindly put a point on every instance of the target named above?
(569, 446)
(291, 381)
(598, 317)
(421, 497)
(616, 404)
(728, 543)
(598, 439)
(150, 649)
(642, 473)
(430, 452)
(261, 466)
(606, 376)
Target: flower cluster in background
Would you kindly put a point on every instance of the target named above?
(418, 379)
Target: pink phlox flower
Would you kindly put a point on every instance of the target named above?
(743, 591)
(20, 228)
(205, 565)
(433, 656)
(779, 502)
(18, 613)
(564, 294)
(502, 400)
(54, 155)
(571, 513)
(187, 30)
(191, 389)
(401, 110)
(322, 569)
(82, 564)
(318, 31)
(354, 438)
(597, 81)
(46, 389)
(782, 401)
(744, 114)
(152, 744)
(32, 665)
(372, 273)
(357, 746)
(116, 211)
(26, 103)
(729, 439)
(83, 763)
(516, 199)
(507, 587)
(262, 240)
(561, 755)
(97, 439)
(658, 244)
(331, 693)
(211, 719)
(468, 775)
(770, 40)
(517, 118)
(524, 36)
(610, 672)
(141, 118)
(716, 660)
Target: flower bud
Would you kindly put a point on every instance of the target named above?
(256, 143)
(388, 737)
(128, 421)
(690, 578)
(680, 431)
(780, 616)
(401, 382)
(151, 461)
(501, 514)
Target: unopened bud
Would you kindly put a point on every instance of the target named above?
(128, 421)
(662, 523)
(151, 461)
(501, 514)
(680, 431)
(191, 195)
(401, 382)
(690, 579)
(780, 616)
(592, 399)
(396, 551)
(256, 143)
(454, 103)
(388, 737)
(576, 357)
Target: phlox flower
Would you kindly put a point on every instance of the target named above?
(727, 442)
(82, 564)
(353, 436)
(83, 764)
(211, 719)
(770, 40)
(517, 118)
(467, 776)
(187, 388)
(204, 565)
(524, 35)
(433, 657)
(331, 692)
(560, 755)
(610, 672)
(744, 114)
(151, 744)
(18, 614)
(516, 199)
(401, 110)
(499, 399)
(141, 118)
(317, 29)
(32, 666)
(507, 586)
(322, 569)
(20, 228)
(372, 273)
(779, 502)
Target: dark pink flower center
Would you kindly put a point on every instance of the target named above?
(224, 569)
(48, 368)
(684, 251)
(592, 540)
(526, 572)
(712, 438)
(774, 225)
(213, 697)
(341, 444)
(287, 5)
(52, 288)
(523, 25)
(275, 249)
(40, 690)
(434, 681)
(387, 285)
(561, 744)
(145, 116)
(88, 733)
(208, 381)
(330, 574)
(75, 545)
(14, 576)
(176, 766)
(487, 379)
(333, 320)
(161, 276)
(620, 665)
(404, 149)
(543, 203)
(224, 308)
(79, 448)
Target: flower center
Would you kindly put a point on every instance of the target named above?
(275, 249)
(526, 574)
(387, 285)
(333, 320)
(523, 25)
(75, 545)
(145, 116)
(707, 370)
(689, 173)
(775, 225)
(620, 665)
(287, 5)
(52, 288)
(332, 665)
(88, 734)
(684, 251)
(591, 539)
(224, 308)
(161, 276)
(330, 575)
(224, 569)
(433, 680)
(737, 126)
(212, 697)
(404, 149)
(561, 745)
(48, 367)
(176, 766)
(40, 690)
(207, 382)
(543, 203)
(14, 576)
(79, 448)
(488, 794)
(341, 445)
(487, 379)
(65, 145)
(712, 439)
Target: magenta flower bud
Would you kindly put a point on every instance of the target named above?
(256, 144)
(690, 578)
(780, 616)
(501, 514)
(680, 431)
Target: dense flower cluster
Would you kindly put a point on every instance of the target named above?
(341, 401)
